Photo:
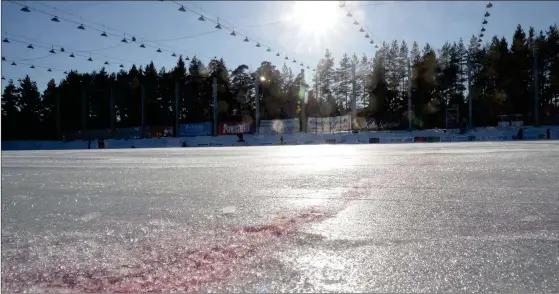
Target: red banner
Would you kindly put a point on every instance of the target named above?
(233, 128)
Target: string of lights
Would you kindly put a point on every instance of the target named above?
(11, 78)
(60, 48)
(119, 31)
(484, 23)
(238, 29)
(49, 69)
(104, 32)
(363, 28)
(91, 22)
(234, 33)
(56, 49)
(31, 44)
(54, 52)
(255, 37)
(126, 37)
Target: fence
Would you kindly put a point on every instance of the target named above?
(279, 126)
(329, 124)
(316, 125)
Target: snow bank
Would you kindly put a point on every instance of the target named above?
(380, 137)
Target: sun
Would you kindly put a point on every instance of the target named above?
(315, 17)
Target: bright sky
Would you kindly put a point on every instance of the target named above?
(300, 30)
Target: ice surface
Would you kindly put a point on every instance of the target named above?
(472, 217)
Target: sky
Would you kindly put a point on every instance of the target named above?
(301, 30)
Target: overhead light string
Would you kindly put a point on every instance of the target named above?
(234, 32)
(81, 26)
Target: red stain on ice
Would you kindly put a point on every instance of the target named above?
(284, 225)
(164, 268)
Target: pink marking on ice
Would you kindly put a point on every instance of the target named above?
(164, 268)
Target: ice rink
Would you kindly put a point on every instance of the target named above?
(442, 217)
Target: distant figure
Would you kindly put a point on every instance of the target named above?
(548, 134)
(241, 139)
(463, 126)
(520, 135)
(281, 140)
(88, 144)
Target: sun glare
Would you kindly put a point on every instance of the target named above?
(315, 17)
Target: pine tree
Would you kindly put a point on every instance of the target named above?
(402, 94)
(11, 115)
(326, 74)
(363, 79)
(342, 90)
(30, 103)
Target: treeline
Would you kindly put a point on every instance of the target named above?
(501, 83)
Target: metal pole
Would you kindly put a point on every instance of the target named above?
(58, 122)
(177, 110)
(354, 94)
(214, 96)
(365, 97)
(304, 102)
(112, 111)
(84, 110)
(536, 102)
(143, 101)
(257, 102)
(318, 99)
(409, 95)
(469, 68)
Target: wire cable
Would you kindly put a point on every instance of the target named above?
(220, 24)
(104, 32)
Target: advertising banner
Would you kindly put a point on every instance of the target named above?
(460, 138)
(279, 126)
(420, 139)
(159, 131)
(329, 124)
(447, 139)
(433, 139)
(503, 124)
(496, 138)
(401, 140)
(196, 129)
(532, 137)
(381, 125)
(128, 133)
(233, 128)
(374, 140)
(88, 134)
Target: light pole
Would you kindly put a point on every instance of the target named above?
(409, 96)
(257, 80)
